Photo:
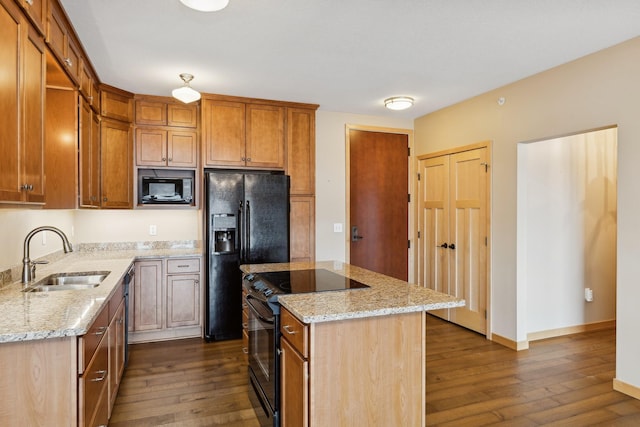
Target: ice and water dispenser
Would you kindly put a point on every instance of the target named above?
(224, 232)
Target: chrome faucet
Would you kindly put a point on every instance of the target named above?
(29, 267)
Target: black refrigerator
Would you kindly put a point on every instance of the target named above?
(247, 222)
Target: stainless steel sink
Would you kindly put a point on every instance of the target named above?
(68, 281)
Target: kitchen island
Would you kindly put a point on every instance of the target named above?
(354, 357)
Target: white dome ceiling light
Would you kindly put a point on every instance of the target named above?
(185, 93)
(206, 5)
(398, 102)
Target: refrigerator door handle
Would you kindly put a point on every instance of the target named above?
(247, 227)
(240, 231)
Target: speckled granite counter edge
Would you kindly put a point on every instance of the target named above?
(343, 305)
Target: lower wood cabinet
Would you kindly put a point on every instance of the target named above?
(167, 297)
(367, 371)
(69, 381)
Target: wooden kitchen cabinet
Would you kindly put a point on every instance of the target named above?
(116, 164)
(166, 148)
(302, 228)
(167, 299)
(239, 134)
(301, 150)
(117, 347)
(319, 373)
(62, 42)
(36, 10)
(89, 135)
(116, 104)
(162, 111)
(22, 55)
(149, 281)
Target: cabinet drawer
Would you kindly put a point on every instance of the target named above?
(295, 332)
(93, 384)
(183, 265)
(89, 341)
(115, 301)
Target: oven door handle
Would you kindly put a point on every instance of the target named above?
(258, 309)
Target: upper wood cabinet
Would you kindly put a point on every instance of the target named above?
(23, 62)
(36, 10)
(161, 112)
(166, 148)
(238, 134)
(116, 104)
(116, 164)
(89, 135)
(62, 42)
(301, 150)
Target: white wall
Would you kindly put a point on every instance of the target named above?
(15, 224)
(330, 176)
(567, 229)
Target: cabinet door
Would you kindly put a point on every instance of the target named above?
(116, 164)
(183, 300)
(88, 197)
(223, 133)
(302, 228)
(116, 354)
(10, 29)
(182, 115)
(151, 147)
(34, 73)
(301, 150)
(182, 149)
(151, 113)
(37, 12)
(295, 387)
(148, 307)
(265, 136)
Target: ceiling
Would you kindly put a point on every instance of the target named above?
(346, 55)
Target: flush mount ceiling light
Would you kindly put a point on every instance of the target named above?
(206, 5)
(185, 93)
(398, 102)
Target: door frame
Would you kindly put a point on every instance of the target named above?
(411, 187)
(483, 144)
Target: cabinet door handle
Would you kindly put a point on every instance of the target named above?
(245, 350)
(248, 159)
(69, 62)
(103, 375)
(30, 2)
(245, 325)
(104, 199)
(101, 330)
(287, 328)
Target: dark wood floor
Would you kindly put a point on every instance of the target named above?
(563, 381)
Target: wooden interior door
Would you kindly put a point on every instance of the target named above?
(453, 226)
(378, 202)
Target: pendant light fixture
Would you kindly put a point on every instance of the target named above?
(206, 5)
(398, 102)
(185, 93)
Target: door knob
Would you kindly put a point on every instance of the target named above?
(354, 234)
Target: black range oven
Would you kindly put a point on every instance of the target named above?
(262, 292)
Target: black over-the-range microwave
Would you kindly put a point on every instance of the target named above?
(165, 188)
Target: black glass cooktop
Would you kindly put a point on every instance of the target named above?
(302, 281)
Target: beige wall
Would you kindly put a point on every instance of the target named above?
(599, 90)
(330, 176)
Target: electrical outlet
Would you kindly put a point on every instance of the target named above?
(153, 230)
(588, 294)
(337, 227)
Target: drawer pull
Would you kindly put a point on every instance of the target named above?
(183, 266)
(101, 330)
(245, 350)
(287, 328)
(103, 375)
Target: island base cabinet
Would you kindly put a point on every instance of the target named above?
(368, 371)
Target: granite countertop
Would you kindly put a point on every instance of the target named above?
(386, 295)
(40, 315)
